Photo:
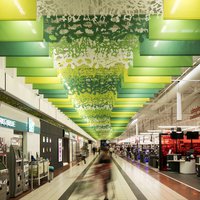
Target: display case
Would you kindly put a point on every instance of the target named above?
(38, 170)
(15, 167)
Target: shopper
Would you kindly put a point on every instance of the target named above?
(94, 150)
(103, 170)
(83, 154)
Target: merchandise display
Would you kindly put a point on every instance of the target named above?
(4, 181)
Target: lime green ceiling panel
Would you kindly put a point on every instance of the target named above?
(135, 95)
(161, 61)
(44, 62)
(58, 104)
(24, 31)
(132, 99)
(37, 72)
(54, 100)
(43, 80)
(127, 104)
(137, 91)
(130, 109)
(142, 85)
(122, 114)
(72, 114)
(160, 29)
(169, 48)
(120, 121)
(64, 106)
(55, 95)
(147, 79)
(154, 71)
(181, 9)
(24, 49)
(18, 10)
(78, 120)
(48, 86)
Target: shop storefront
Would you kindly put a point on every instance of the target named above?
(66, 148)
(74, 147)
(51, 144)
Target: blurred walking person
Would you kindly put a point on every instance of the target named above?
(103, 170)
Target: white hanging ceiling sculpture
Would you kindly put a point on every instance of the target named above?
(98, 7)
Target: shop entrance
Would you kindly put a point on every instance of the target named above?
(65, 151)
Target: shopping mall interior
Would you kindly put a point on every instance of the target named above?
(99, 99)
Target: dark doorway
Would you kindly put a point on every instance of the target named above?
(65, 151)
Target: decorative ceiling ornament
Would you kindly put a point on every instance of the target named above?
(64, 51)
(99, 28)
(84, 79)
(98, 7)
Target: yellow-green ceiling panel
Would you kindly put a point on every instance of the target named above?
(42, 80)
(181, 9)
(24, 31)
(18, 10)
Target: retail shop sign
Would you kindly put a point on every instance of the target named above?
(195, 112)
(7, 123)
(31, 125)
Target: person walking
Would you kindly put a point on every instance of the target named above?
(83, 154)
(94, 150)
(103, 169)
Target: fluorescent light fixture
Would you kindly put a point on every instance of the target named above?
(156, 43)
(176, 4)
(42, 45)
(17, 4)
(34, 31)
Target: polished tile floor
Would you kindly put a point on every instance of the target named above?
(129, 183)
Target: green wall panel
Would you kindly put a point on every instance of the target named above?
(169, 48)
(24, 49)
(24, 31)
(37, 72)
(137, 91)
(154, 71)
(44, 62)
(135, 95)
(160, 29)
(160, 61)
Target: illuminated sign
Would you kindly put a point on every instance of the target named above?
(7, 122)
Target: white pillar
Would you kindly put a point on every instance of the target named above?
(179, 106)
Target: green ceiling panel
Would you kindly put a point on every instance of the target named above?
(37, 72)
(129, 103)
(161, 61)
(120, 118)
(137, 91)
(118, 125)
(142, 85)
(169, 48)
(67, 109)
(60, 103)
(24, 31)
(55, 96)
(18, 10)
(135, 95)
(24, 49)
(44, 62)
(160, 29)
(154, 71)
(131, 109)
(48, 87)
(52, 92)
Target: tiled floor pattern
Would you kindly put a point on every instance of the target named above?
(152, 189)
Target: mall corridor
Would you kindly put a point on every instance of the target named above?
(130, 182)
